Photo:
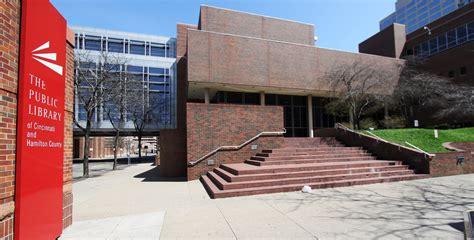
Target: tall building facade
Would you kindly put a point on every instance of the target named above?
(415, 14)
(147, 59)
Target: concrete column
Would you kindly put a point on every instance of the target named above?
(262, 98)
(310, 117)
(206, 96)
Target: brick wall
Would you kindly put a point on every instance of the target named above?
(467, 146)
(173, 149)
(9, 59)
(68, 129)
(445, 164)
(417, 161)
(214, 125)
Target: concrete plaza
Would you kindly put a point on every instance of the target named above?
(133, 203)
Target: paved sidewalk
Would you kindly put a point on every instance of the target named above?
(134, 201)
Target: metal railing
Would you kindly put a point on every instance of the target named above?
(372, 135)
(419, 149)
(234, 148)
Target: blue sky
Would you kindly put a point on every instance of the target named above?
(339, 24)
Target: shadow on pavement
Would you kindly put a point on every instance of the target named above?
(153, 175)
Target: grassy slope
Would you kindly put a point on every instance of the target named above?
(424, 138)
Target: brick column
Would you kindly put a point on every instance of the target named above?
(310, 117)
(9, 60)
(68, 129)
(206, 96)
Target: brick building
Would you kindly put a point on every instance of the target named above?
(240, 74)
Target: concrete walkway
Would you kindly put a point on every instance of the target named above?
(133, 203)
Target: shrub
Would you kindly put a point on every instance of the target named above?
(368, 123)
(394, 122)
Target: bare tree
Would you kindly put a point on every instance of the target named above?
(92, 74)
(355, 86)
(420, 89)
(144, 113)
(459, 103)
(116, 107)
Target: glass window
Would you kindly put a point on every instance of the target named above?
(422, 16)
(157, 70)
(418, 50)
(423, 10)
(435, 16)
(411, 11)
(463, 70)
(462, 34)
(93, 43)
(234, 97)
(442, 42)
(270, 99)
(470, 30)
(422, 3)
(115, 45)
(135, 69)
(284, 100)
(158, 87)
(425, 50)
(252, 98)
(157, 50)
(449, 9)
(451, 36)
(157, 79)
(137, 47)
(433, 46)
(436, 8)
(410, 51)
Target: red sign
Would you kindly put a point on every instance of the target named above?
(40, 124)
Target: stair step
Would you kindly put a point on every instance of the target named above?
(310, 160)
(309, 156)
(310, 149)
(314, 152)
(242, 168)
(224, 185)
(317, 162)
(215, 192)
(229, 177)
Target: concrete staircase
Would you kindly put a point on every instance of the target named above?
(317, 162)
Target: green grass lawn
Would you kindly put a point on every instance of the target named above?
(424, 138)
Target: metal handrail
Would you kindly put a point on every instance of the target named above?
(237, 147)
(413, 147)
(419, 149)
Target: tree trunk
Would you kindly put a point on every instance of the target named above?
(352, 117)
(87, 140)
(116, 141)
(140, 147)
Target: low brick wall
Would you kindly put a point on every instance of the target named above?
(445, 164)
(214, 125)
(466, 146)
(386, 151)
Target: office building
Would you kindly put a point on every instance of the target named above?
(147, 59)
(415, 14)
